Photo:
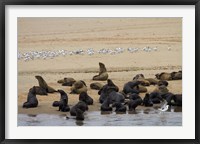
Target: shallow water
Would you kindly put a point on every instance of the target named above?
(147, 117)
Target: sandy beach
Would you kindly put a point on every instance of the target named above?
(37, 34)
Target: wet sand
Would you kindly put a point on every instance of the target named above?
(37, 34)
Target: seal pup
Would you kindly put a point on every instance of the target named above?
(80, 105)
(103, 75)
(147, 101)
(63, 103)
(96, 86)
(31, 99)
(86, 98)
(78, 87)
(43, 84)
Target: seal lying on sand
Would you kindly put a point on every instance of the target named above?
(31, 99)
(68, 81)
(43, 84)
(63, 103)
(103, 75)
(96, 86)
(80, 105)
(164, 76)
(103, 92)
(86, 98)
(78, 87)
(162, 82)
(140, 77)
(176, 75)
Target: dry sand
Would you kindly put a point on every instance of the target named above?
(97, 33)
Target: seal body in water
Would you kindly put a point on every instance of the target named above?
(43, 84)
(86, 98)
(79, 114)
(63, 103)
(119, 107)
(31, 99)
(80, 105)
(106, 105)
(132, 104)
(78, 87)
(103, 75)
(147, 102)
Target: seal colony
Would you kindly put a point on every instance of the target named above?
(110, 98)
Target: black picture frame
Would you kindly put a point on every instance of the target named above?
(4, 3)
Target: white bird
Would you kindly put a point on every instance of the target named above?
(164, 106)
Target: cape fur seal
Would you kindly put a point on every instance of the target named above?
(106, 105)
(68, 81)
(132, 104)
(40, 91)
(96, 86)
(80, 105)
(78, 87)
(176, 75)
(79, 114)
(43, 84)
(63, 103)
(164, 76)
(129, 87)
(103, 92)
(103, 75)
(31, 99)
(147, 102)
(86, 98)
(119, 107)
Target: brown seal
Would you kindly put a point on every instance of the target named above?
(78, 87)
(103, 75)
(43, 84)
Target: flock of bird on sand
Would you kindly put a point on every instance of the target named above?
(32, 55)
(109, 95)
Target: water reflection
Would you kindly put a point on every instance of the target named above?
(147, 117)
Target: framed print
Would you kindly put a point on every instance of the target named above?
(99, 72)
